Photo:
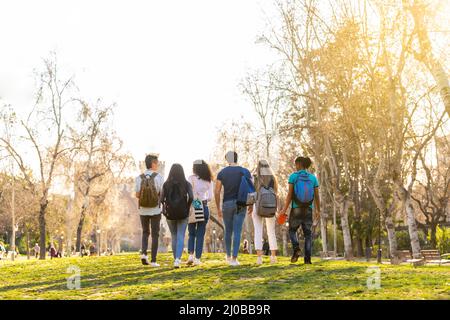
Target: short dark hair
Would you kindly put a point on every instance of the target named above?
(231, 153)
(305, 162)
(149, 159)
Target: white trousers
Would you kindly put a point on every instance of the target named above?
(258, 223)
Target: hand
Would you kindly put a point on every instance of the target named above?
(250, 210)
(220, 213)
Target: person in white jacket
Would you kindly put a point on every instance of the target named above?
(202, 187)
(264, 177)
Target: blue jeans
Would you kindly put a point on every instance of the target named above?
(233, 221)
(177, 230)
(301, 218)
(197, 234)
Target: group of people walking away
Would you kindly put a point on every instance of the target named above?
(184, 203)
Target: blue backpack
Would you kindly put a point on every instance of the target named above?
(247, 192)
(303, 190)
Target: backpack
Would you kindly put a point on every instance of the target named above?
(267, 201)
(303, 190)
(175, 202)
(246, 193)
(148, 195)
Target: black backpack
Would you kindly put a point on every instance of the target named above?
(175, 202)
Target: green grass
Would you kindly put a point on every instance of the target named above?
(123, 277)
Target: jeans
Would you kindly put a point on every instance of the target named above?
(303, 218)
(197, 234)
(177, 230)
(155, 223)
(233, 221)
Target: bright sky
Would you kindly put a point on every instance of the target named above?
(172, 66)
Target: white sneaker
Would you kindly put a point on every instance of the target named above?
(155, 265)
(176, 263)
(234, 263)
(259, 260)
(273, 259)
(197, 262)
(227, 258)
(144, 260)
(190, 260)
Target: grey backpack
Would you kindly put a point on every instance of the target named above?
(266, 201)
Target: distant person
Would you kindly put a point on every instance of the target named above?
(37, 249)
(245, 246)
(83, 250)
(148, 190)
(303, 192)
(231, 210)
(92, 250)
(266, 208)
(2, 250)
(202, 188)
(176, 198)
(266, 247)
(53, 253)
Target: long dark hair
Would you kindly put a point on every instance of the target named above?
(176, 176)
(202, 170)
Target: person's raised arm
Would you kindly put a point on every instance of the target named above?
(217, 190)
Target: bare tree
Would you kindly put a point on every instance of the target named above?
(45, 130)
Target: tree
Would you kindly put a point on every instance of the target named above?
(44, 129)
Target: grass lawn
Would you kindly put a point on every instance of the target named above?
(123, 277)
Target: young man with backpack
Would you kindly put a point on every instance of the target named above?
(303, 196)
(239, 193)
(148, 188)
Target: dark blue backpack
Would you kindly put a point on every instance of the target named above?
(303, 190)
(247, 192)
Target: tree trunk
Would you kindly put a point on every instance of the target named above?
(42, 229)
(27, 234)
(346, 230)
(323, 232)
(433, 242)
(411, 218)
(80, 230)
(285, 241)
(390, 227)
(412, 228)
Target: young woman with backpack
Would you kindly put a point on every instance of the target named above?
(176, 198)
(265, 209)
(201, 182)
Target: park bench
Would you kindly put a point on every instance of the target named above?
(328, 255)
(434, 257)
(406, 256)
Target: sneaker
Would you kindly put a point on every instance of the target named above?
(197, 262)
(273, 259)
(176, 263)
(144, 260)
(295, 256)
(190, 260)
(227, 258)
(155, 265)
(259, 260)
(234, 263)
